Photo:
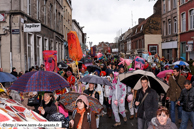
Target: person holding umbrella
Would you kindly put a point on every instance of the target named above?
(48, 106)
(117, 95)
(83, 118)
(147, 103)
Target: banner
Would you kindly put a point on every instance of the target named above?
(50, 60)
(139, 63)
(93, 51)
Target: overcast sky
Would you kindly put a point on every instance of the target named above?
(102, 19)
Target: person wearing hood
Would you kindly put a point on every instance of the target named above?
(14, 72)
(48, 106)
(117, 96)
(162, 120)
(80, 118)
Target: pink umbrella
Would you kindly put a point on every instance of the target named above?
(163, 73)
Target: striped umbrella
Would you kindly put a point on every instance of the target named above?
(39, 81)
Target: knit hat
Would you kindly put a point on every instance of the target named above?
(84, 99)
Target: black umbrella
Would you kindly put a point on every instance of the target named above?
(62, 65)
(95, 80)
(92, 68)
(133, 80)
(86, 60)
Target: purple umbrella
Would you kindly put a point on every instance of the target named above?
(39, 81)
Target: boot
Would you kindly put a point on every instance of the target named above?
(117, 124)
(135, 115)
(131, 117)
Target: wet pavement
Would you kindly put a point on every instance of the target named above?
(106, 123)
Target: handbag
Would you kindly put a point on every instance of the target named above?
(33, 101)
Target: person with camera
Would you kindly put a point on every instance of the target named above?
(83, 117)
(186, 100)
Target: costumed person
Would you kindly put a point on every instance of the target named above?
(106, 95)
(70, 79)
(83, 118)
(130, 99)
(102, 73)
(117, 95)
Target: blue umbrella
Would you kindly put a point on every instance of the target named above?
(39, 81)
(7, 77)
(183, 58)
(181, 63)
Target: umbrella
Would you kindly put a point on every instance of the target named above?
(180, 63)
(11, 110)
(183, 58)
(39, 81)
(92, 68)
(7, 77)
(86, 60)
(163, 73)
(133, 80)
(62, 65)
(68, 100)
(96, 80)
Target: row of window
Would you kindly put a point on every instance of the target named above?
(138, 44)
(190, 21)
(37, 58)
(167, 5)
(47, 13)
(169, 27)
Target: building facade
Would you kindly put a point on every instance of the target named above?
(186, 18)
(169, 29)
(147, 35)
(24, 49)
(67, 23)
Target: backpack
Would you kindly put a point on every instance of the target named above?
(88, 116)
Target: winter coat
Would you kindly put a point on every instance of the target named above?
(85, 124)
(149, 105)
(174, 90)
(187, 98)
(49, 108)
(91, 92)
(155, 123)
(15, 95)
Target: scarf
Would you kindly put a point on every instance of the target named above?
(81, 112)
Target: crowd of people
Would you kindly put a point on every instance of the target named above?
(143, 104)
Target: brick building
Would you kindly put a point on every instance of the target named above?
(147, 35)
(186, 16)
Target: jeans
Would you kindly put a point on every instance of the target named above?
(185, 118)
(143, 122)
(172, 111)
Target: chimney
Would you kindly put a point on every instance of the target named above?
(140, 20)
